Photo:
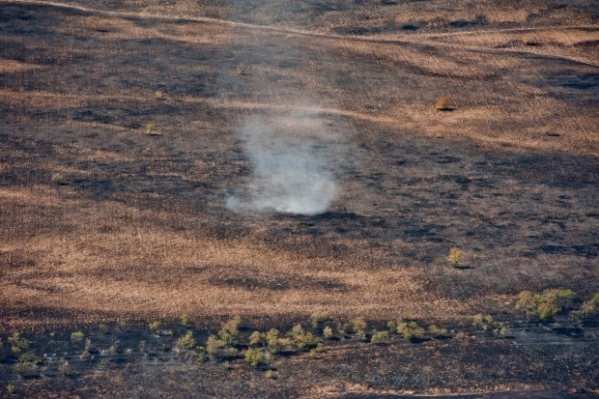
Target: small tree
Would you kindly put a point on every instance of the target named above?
(455, 256)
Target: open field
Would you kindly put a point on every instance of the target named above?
(124, 131)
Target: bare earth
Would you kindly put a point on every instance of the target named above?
(139, 105)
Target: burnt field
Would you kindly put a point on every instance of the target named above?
(276, 159)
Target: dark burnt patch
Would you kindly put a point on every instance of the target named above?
(16, 259)
(256, 280)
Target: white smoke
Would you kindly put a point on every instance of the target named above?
(290, 173)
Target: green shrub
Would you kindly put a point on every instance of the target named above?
(410, 330)
(343, 328)
(225, 340)
(17, 343)
(392, 325)
(437, 331)
(10, 388)
(200, 354)
(486, 323)
(275, 342)
(272, 340)
(77, 336)
(86, 354)
(229, 332)
(150, 127)
(256, 338)
(588, 307)
(302, 339)
(359, 326)
(455, 256)
(318, 317)
(407, 327)
(214, 346)
(269, 374)
(155, 325)
(187, 341)
(26, 362)
(327, 332)
(379, 336)
(254, 356)
(57, 178)
(315, 351)
(184, 319)
(544, 305)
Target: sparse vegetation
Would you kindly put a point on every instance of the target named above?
(10, 388)
(544, 305)
(18, 344)
(485, 322)
(144, 227)
(190, 348)
(26, 363)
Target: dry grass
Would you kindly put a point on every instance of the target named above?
(142, 231)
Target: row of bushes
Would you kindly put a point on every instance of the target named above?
(261, 347)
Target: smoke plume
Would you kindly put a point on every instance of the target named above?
(290, 173)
